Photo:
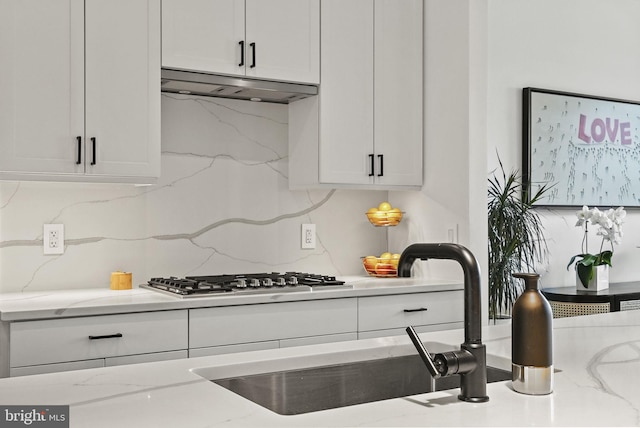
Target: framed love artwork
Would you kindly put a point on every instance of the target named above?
(585, 147)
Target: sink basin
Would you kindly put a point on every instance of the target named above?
(293, 392)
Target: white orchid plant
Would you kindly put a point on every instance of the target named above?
(609, 225)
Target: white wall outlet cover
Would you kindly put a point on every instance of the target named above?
(53, 239)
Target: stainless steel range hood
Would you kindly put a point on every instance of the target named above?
(212, 85)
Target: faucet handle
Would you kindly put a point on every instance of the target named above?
(422, 351)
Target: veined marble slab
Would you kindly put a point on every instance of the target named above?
(598, 384)
(221, 205)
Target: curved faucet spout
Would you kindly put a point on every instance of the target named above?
(474, 382)
(471, 269)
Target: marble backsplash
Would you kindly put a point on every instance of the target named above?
(222, 205)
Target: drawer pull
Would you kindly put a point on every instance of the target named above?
(79, 139)
(106, 336)
(416, 310)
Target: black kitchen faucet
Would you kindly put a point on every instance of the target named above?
(470, 361)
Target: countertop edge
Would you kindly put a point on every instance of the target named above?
(94, 301)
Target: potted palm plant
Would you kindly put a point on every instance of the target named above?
(516, 239)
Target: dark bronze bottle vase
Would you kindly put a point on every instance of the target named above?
(531, 340)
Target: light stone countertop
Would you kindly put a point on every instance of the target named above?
(598, 384)
(93, 301)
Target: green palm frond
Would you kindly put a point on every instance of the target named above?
(516, 239)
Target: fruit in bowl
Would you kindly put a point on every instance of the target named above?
(384, 266)
(384, 215)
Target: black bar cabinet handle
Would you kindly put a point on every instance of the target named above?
(106, 336)
(241, 43)
(381, 157)
(93, 143)
(253, 54)
(79, 161)
(371, 158)
(416, 310)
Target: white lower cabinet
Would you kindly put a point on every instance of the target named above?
(45, 346)
(96, 341)
(223, 330)
(270, 325)
(391, 315)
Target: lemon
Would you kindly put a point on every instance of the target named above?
(384, 206)
(395, 258)
(385, 256)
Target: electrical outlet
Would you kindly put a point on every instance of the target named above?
(53, 239)
(308, 236)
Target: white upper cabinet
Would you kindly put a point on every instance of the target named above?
(268, 39)
(203, 35)
(67, 115)
(398, 92)
(123, 87)
(366, 127)
(42, 86)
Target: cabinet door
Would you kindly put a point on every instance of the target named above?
(346, 94)
(203, 35)
(284, 38)
(41, 85)
(398, 115)
(123, 87)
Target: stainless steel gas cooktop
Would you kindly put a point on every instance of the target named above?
(254, 283)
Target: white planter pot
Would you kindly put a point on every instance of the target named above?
(600, 280)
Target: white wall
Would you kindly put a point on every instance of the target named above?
(582, 46)
(453, 197)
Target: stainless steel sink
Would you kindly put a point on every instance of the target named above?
(292, 392)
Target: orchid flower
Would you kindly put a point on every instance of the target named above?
(609, 225)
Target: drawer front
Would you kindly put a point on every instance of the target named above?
(272, 321)
(402, 310)
(85, 338)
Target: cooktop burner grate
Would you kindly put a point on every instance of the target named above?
(274, 282)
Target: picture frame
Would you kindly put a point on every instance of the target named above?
(584, 147)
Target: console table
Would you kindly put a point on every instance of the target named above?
(569, 302)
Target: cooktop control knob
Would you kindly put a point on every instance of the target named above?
(280, 281)
(254, 282)
(293, 280)
(267, 282)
